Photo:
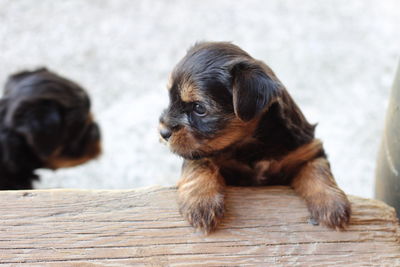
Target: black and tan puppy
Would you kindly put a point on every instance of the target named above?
(45, 122)
(234, 123)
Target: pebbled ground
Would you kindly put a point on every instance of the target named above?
(337, 58)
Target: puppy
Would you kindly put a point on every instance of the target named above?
(45, 122)
(234, 123)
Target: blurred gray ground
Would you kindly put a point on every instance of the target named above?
(337, 58)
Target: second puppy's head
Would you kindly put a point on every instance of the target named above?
(217, 93)
(53, 115)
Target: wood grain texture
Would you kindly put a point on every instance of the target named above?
(262, 227)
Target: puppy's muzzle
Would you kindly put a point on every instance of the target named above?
(166, 130)
(168, 125)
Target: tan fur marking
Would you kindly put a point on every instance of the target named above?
(183, 142)
(290, 162)
(89, 118)
(65, 162)
(56, 161)
(297, 157)
(201, 197)
(189, 93)
(235, 132)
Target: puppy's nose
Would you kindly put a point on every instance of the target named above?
(165, 133)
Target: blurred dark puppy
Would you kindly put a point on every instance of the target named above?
(234, 123)
(45, 122)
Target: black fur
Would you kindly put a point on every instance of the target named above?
(251, 134)
(233, 84)
(44, 119)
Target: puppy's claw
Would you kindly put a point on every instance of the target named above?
(313, 221)
(334, 214)
(204, 215)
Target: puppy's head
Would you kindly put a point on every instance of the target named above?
(217, 93)
(53, 115)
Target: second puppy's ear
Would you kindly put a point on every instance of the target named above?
(16, 78)
(252, 90)
(39, 121)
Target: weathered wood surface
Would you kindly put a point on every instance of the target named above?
(262, 227)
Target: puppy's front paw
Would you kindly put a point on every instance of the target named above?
(203, 213)
(332, 211)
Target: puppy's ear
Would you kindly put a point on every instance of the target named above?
(17, 77)
(39, 121)
(253, 89)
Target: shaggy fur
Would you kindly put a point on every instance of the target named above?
(234, 123)
(45, 122)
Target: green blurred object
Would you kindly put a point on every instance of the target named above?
(387, 182)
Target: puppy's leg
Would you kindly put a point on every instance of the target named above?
(326, 202)
(201, 197)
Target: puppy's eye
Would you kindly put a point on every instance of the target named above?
(199, 109)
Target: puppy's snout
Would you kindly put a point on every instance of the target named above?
(168, 125)
(165, 133)
(95, 131)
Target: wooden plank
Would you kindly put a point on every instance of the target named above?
(262, 227)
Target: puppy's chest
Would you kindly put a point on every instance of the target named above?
(252, 163)
(259, 172)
